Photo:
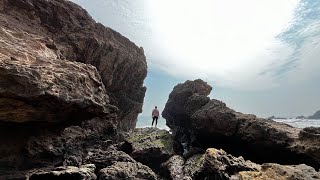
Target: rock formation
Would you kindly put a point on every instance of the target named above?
(40, 37)
(69, 172)
(301, 117)
(276, 171)
(67, 85)
(214, 164)
(197, 121)
(149, 146)
(316, 115)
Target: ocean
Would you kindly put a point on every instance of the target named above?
(145, 121)
(300, 123)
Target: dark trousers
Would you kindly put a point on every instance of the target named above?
(155, 118)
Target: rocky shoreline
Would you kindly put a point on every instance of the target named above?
(70, 93)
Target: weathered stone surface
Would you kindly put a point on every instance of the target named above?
(224, 165)
(85, 172)
(37, 86)
(127, 170)
(173, 168)
(105, 158)
(150, 146)
(69, 146)
(61, 30)
(57, 66)
(199, 122)
(214, 164)
(279, 172)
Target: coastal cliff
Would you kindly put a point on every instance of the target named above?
(44, 33)
(67, 85)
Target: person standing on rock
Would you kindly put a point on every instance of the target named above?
(155, 115)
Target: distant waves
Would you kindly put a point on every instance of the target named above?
(300, 123)
(145, 121)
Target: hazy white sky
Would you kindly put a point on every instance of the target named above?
(261, 56)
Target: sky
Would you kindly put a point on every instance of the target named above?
(260, 57)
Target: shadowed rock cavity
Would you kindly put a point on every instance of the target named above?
(197, 121)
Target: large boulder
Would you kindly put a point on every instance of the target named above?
(280, 172)
(213, 164)
(150, 146)
(70, 146)
(85, 172)
(66, 84)
(127, 170)
(41, 36)
(198, 121)
(35, 85)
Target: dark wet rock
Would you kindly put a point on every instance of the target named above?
(316, 115)
(197, 121)
(277, 172)
(150, 146)
(127, 170)
(85, 172)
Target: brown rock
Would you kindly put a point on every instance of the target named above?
(85, 172)
(69, 33)
(279, 172)
(127, 170)
(197, 121)
(214, 164)
(150, 146)
(173, 168)
(36, 86)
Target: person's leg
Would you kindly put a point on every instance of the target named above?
(156, 121)
(153, 118)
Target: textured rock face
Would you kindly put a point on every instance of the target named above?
(150, 146)
(198, 121)
(127, 170)
(37, 86)
(214, 164)
(69, 146)
(279, 172)
(59, 30)
(85, 172)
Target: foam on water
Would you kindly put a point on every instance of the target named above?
(300, 123)
(146, 121)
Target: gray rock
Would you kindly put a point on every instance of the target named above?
(173, 168)
(106, 158)
(316, 115)
(197, 121)
(127, 170)
(150, 146)
(85, 172)
(276, 171)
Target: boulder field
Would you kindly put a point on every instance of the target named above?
(70, 93)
